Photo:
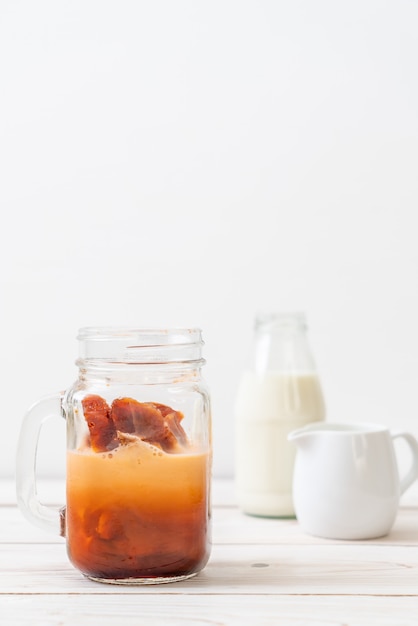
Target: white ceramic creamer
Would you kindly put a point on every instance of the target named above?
(346, 483)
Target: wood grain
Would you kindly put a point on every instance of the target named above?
(225, 610)
(235, 569)
(261, 571)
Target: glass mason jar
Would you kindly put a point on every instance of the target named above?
(139, 457)
(279, 393)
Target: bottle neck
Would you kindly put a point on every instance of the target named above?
(281, 345)
(275, 322)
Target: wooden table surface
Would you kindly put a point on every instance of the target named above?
(261, 571)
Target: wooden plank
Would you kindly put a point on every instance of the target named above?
(52, 491)
(230, 526)
(268, 569)
(14, 528)
(178, 610)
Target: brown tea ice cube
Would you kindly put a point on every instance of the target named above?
(151, 422)
(102, 429)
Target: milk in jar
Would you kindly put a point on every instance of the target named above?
(280, 393)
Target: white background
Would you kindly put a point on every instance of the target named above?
(193, 162)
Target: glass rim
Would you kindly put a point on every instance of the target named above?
(121, 332)
(134, 345)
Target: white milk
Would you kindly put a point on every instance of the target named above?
(267, 409)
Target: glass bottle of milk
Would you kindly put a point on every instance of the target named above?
(280, 393)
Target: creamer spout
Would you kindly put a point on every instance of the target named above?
(302, 434)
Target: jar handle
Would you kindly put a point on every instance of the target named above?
(412, 474)
(48, 518)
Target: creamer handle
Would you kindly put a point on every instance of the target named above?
(412, 474)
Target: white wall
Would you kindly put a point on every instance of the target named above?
(192, 162)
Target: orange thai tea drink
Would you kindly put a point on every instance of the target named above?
(137, 494)
(137, 514)
(139, 453)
